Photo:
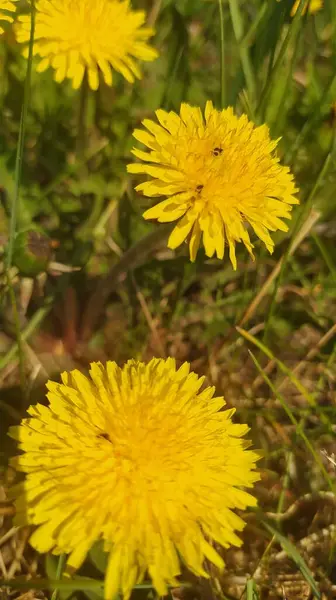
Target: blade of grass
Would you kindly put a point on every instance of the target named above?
(35, 321)
(222, 54)
(282, 89)
(312, 353)
(301, 216)
(293, 31)
(312, 218)
(16, 198)
(178, 65)
(325, 254)
(246, 40)
(251, 590)
(59, 572)
(288, 372)
(67, 584)
(309, 125)
(293, 420)
(294, 554)
(238, 29)
(20, 146)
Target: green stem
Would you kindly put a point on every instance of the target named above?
(237, 23)
(20, 147)
(81, 141)
(59, 572)
(16, 198)
(222, 53)
(293, 31)
(305, 210)
(309, 125)
(27, 332)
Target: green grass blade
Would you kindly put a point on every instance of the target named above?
(281, 92)
(66, 584)
(306, 207)
(20, 147)
(293, 553)
(16, 198)
(325, 254)
(34, 322)
(222, 54)
(294, 380)
(238, 28)
(311, 122)
(251, 590)
(293, 32)
(295, 422)
(254, 26)
(59, 572)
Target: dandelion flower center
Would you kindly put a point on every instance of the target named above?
(219, 175)
(78, 36)
(141, 458)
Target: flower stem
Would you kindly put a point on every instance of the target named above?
(222, 53)
(20, 147)
(238, 28)
(16, 197)
(81, 141)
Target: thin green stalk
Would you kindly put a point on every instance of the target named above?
(67, 584)
(248, 37)
(16, 197)
(59, 572)
(293, 31)
(81, 141)
(285, 89)
(308, 396)
(307, 205)
(222, 54)
(238, 28)
(27, 332)
(310, 123)
(325, 254)
(323, 375)
(294, 422)
(20, 147)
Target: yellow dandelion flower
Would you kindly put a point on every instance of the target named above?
(218, 175)
(6, 7)
(93, 36)
(313, 6)
(139, 457)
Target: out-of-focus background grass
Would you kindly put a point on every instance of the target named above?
(93, 281)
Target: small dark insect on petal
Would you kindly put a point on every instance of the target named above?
(104, 436)
(217, 151)
(199, 188)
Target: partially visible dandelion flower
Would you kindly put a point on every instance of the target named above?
(313, 6)
(6, 8)
(93, 36)
(219, 174)
(139, 457)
